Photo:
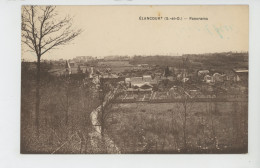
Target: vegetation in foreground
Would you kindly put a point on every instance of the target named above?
(158, 128)
(64, 119)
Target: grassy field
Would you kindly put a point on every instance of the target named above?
(216, 60)
(158, 128)
(116, 66)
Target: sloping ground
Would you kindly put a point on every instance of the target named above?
(158, 128)
(102, 144)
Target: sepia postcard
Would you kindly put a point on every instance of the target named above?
(134, 79)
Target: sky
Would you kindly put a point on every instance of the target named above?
(117, 30)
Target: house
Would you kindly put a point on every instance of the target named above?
(112, 78)
(241, 75)
(184, 80)
(230, 75)
(182, 77)
(156, 79)
(73, 64)
(171, 68)
(147, 78)
(141, 87)
(208, 79)
(183, 71)
(90, 71)
(144, 83)
(203, 72)
(178, 70)
(137, 80)
(128, 82)
(237, 75)
(218, 77)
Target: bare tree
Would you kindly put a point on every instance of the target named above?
(42, 31)
(186, 102)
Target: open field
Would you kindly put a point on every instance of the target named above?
(158, 128)
(216, 60)
(116, 66)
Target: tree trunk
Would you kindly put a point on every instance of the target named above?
(212, 123)
(102, 98)
(67, 106)
(37, 105)
(184, 125)
(102, 125)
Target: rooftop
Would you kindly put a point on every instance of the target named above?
(241, 70)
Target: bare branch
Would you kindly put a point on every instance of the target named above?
(42, 31)
(33, 31)
(63, 39)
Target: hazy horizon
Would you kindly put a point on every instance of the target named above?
(57, 59)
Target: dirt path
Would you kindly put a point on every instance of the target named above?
(95, 135)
